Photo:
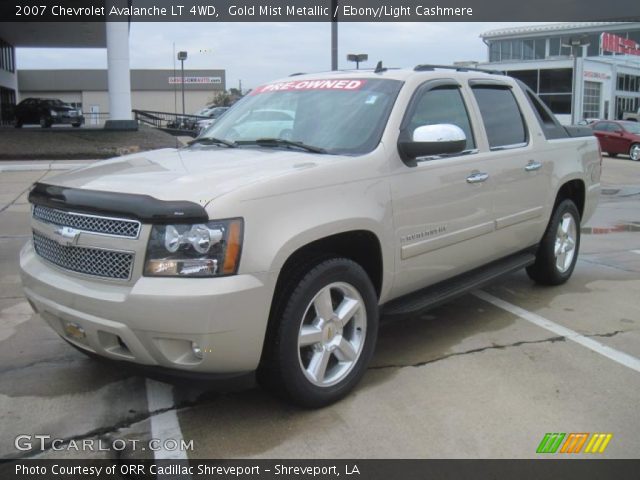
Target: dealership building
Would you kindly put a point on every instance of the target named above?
(581, 70)
(157, 90)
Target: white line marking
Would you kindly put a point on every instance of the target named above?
(164, 425)
(611, 353)
(635, 251)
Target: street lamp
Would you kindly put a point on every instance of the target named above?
(357, 57)
(575, 44)
(182, 56)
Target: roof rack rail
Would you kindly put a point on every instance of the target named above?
(427, 68)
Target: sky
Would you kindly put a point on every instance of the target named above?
(256, 53)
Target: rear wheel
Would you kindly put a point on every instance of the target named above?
(325, 335)
(634, 152)
(612, 155)
(558, 251)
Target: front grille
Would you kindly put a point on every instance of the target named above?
(90, 261)
(118, 227)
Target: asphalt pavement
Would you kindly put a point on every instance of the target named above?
(485, 376)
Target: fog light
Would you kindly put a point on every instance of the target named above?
(197, 351)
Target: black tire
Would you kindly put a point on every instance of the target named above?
(612, 155)
(545, 271)
(17, 124)
(281, 370)
(45, 122)
(634, 150)
(75, 125)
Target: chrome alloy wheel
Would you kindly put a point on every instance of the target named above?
(332, 334)
(634, 152)
(565, 245)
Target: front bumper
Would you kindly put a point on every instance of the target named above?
(67, 120)
(153, 321)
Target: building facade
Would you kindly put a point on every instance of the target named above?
(8, 80)
(581, 70)
(156, 90)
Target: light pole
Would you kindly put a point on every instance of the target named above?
(334, 35)
(357, 57)
(182, 56)
(574, 45)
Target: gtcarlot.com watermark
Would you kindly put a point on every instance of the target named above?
(25, 443)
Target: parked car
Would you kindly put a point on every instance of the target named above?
(213, 115)
(618, 137)
(631, 116)
(273, 242)
(46, 112)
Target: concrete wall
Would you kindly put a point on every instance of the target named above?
(161, 101)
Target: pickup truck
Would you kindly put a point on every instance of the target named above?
(272, 249)
(631, 117)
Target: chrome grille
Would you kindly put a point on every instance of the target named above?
(90, 261)
(118, 227)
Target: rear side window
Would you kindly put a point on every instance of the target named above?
(442, 105)
(601, 127)
(501, 116)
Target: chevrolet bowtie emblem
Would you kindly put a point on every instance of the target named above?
(66, 236)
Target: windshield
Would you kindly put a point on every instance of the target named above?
(632, 127)
(53, 102)
(341, 116)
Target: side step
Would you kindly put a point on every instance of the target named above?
(442, 292)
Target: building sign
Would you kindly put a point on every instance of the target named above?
(597, 75)
(616, 44)
(197, 80)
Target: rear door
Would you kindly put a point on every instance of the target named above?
(523, 173)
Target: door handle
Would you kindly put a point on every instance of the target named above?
(477, 177)
(532, 166)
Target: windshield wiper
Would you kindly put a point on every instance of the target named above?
(213, 141)
(281, 142)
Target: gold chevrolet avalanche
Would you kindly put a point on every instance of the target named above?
(274, 241)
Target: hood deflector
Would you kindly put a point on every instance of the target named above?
(145, 208)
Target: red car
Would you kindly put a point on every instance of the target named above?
(618, 137)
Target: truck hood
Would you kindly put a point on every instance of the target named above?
(197, 174)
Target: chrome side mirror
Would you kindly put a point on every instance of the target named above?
(430, 140)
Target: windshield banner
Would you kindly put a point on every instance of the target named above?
(347, 84)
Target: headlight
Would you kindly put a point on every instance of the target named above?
(200, 250)
(53, 113)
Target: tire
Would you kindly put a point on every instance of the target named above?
(44, 122)
(75, 125)
(17, 124)
(563, 232)
(303, 340)
(634, 152)
(612, 155)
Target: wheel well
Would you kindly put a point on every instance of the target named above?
(361, 246)
(572, 190)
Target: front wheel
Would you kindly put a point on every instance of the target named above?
(558, 251)
(324, 336)
(634, 152)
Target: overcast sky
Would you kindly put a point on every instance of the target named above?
(259, 52)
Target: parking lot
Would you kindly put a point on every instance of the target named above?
(485, 376)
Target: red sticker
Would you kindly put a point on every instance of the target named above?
(348, 84)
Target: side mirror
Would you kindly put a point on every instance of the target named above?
(428, 140)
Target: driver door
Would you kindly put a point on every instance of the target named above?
(442, 205)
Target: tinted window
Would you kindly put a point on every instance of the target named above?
(442, 105)
(501, 115)
(601, 127)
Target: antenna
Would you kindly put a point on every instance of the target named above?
(379, 68)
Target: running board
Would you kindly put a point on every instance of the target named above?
(442, 292)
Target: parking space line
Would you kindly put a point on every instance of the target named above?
(611, 353)
(164, 425)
